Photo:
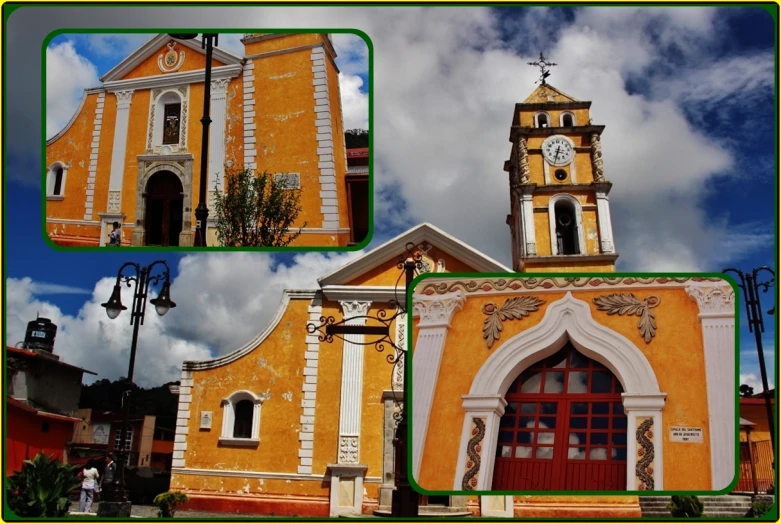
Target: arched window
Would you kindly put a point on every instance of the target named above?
(566, 226)
(564, 427)
(241, 419)
(542, 120)
(55, 181)
(168, 130)
(567, 119)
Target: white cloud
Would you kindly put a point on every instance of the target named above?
(355, 105)
(755, 381)
(45, 288)
(67, 75)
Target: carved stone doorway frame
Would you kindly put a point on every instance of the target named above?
(180, 165)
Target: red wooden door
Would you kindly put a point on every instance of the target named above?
(564, 428)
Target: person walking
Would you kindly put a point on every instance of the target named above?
(89, 483)
(108, 481)
(115, 237)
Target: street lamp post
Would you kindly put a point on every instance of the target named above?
(143, 278)
(751, 284)
(202, 211)
(404, 502)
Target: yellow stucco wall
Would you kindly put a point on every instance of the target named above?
(675, 352)
(277, 43)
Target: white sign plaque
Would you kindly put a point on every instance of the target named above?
(206, 419)
(685, 434)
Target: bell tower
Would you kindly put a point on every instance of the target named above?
(559, 211)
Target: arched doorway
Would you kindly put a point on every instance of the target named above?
(164, 205)
(564, 428)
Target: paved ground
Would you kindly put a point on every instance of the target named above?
(151, 512)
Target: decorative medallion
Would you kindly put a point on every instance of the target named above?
(170, 61)
(348, 450)
(513, 308)
(645, 456)
(629, 304)
(473, 451)
(514, 284)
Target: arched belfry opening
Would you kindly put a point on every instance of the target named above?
(164, 198)
(566, 228)
(564, 428)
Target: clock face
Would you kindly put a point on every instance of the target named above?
(558, 150)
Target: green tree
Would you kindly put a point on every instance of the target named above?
(42, 487)
(256, 210)
(746, 390)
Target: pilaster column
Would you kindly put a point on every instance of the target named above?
(477, 452)
(596, 158)
(219, 91)
(603, 217)
(435, 313)
(527, 215)
(644, 442)
(114, 203)
(716, 301)
(352, 384)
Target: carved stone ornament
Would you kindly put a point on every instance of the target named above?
(348, 450)
(523, 160)
(169, 61)
(513, 308)
(645, 456)
(718, 299)
(355, 308)
(220, 85)
(629, 304)
(596, 158)
(113, 201)
(437, 311)
(473, 454)
(123, 97)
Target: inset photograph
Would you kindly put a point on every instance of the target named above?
(251, 140)
(574, 384)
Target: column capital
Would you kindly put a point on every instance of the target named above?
(124, 97)
(715, 299)
(354, 308)
(219, 86)
(437, 310)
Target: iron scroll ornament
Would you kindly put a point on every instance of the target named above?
(412, 264)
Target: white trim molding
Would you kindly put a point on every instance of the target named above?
(604, 221)
(567, 319)
(434, 313)
(183, 417)
(716, 302)
(306, 435)
(87, 92)
(117, 173)
(329, 203)
(173, 79)
(219, 95)
(577, 208)
(229, 419)
(93, 157)
(565, 113)
(529, 236)
(250, 132)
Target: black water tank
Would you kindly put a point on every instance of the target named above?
(40, 335)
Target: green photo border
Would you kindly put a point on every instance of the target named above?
(208, 249)
(483, 276)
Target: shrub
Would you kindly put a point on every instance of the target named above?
(42, 487)
(168, 502)
(760, 508)
(688, 506)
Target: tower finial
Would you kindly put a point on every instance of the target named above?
(544, 66)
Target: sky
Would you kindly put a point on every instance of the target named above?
(686, 95)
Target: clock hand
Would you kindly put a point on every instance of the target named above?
(556, 156)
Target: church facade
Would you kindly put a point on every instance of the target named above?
(132, 151)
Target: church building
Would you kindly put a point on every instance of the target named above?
(132, 151)
(634, 376)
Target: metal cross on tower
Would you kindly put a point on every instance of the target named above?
(544, 66)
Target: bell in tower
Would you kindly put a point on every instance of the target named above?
(559, 210)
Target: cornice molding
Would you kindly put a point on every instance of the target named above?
(173, 79)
